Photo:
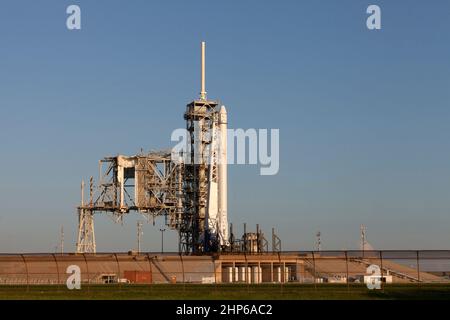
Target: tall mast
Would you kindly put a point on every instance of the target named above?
(203, 89)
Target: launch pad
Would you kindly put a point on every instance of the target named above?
(188, 187)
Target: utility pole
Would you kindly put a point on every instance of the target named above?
(162, 240)
(363, 238)
(139, 233)
(319, 241)
(82, 193)
(62, 240)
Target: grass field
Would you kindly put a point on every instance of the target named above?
(207, 292)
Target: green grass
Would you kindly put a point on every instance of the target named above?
(232, 291)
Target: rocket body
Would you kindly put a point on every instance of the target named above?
(222, 178)
(216, 222)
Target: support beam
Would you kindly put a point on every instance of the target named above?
(86, 235)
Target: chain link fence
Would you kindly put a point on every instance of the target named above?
(103, 271)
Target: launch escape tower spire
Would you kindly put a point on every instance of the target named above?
(202, 75)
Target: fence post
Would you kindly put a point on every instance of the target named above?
(26, 270)
(381, 268)
(118, 271)
(182, 270)
(57, 270)
(87, 269)
(150, 270)
(418, 268)
(346, 270)
(283, 276)
(314, 270)
(247, 278)
(215, 275)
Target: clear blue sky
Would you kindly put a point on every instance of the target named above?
(363, 115)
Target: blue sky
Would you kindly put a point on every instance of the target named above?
(363, 115)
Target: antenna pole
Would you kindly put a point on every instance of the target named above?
(203, 90)
(62, 240)
(363, 239)
(82, 192)
(319, 241)
(139, 233)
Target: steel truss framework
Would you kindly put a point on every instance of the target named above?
(201, 117)
(155, 185)
(150, 184)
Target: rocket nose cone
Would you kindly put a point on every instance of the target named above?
(222, 115)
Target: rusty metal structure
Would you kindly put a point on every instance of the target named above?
(200, 116)
(150, 184)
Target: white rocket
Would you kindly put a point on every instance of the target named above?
(222, 177)
(217, 219)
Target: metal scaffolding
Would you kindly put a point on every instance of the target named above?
(149, 184)
(201, 116)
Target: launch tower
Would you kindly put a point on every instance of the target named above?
(205, 225)
(191, 194)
